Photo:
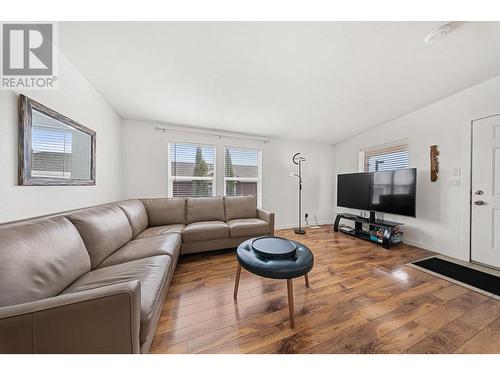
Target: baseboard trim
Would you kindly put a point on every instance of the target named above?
(291, 226)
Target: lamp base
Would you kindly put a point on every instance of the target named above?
(299, 231)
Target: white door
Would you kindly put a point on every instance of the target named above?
(485, 236)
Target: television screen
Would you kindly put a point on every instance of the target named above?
(353, 190)
(388, 191)
(394, 192)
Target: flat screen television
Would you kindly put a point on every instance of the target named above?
(392, 192)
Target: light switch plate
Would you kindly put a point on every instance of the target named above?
(455, 182)
(455, 172)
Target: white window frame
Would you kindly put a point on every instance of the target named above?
(395, 146)
(171, 179)
(257, 179)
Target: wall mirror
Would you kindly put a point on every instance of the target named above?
(53, 149)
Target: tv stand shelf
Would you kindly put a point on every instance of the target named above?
(385, 225)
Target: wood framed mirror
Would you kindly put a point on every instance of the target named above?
(53, 149)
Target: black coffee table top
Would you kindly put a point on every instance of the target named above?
(299, 263)
(274, 247)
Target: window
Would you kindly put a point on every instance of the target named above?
(242, 171)
(192, 170)
(386, 157)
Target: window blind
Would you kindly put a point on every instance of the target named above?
(386, 158)
(192, 170)
(51, 152)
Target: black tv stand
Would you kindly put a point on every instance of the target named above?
(357, 231)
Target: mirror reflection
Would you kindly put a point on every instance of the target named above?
(58, 150)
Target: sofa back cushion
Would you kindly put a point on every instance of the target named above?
(165, 211)
(240, 207)
(136, 214)
(103, 229)
(39, 260)
(204, 209)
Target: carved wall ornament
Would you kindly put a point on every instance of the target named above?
(434, 163)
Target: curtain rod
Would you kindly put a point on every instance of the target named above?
(220, 136)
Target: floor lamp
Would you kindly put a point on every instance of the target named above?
(297, 160)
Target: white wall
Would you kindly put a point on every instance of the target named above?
(145, 173)
(442, 218)
(77, 99)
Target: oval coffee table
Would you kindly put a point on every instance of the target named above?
(275, 258)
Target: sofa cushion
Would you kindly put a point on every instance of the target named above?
(240, 207)
(248, 227)
(161, 230)
(163, 211)
(152, 274)
(103, 229)
(40, 259)
(136, 214)
(169, 244)
(205, 209)
(205, 230)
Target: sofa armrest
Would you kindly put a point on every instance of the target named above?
(267, 217)
(100, 320)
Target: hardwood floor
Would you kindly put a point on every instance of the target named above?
(362, 299)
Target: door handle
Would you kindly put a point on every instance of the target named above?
(479, 192)
(479, 203)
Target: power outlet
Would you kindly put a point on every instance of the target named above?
(454, 182)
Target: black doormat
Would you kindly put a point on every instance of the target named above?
(477, 279)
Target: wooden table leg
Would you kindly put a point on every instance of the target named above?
(289, 286)
(306, 276)
(237, 281)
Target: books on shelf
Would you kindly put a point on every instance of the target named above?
(377, 235)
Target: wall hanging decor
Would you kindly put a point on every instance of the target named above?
(434, 163)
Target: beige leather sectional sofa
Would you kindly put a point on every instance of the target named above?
(95, 280)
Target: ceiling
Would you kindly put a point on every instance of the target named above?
(317, 81)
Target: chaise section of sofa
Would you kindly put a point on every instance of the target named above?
(95, 280)
(116, 256)
(38, 262)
